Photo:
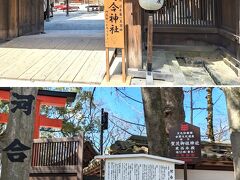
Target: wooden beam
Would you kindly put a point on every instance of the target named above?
(50, 123)
(52, 101)
(4, 95)
(184, 30)
(44, 100)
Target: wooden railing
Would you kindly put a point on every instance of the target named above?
(186, 13)
(57, 152)
(51, 157)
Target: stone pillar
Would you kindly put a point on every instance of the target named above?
(16, 155)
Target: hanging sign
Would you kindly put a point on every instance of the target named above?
(185, 143)
(114, 23)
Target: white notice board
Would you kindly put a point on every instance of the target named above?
(139, 167)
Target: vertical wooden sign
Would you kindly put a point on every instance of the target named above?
(114, 31)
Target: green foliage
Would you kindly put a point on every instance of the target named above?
(3, 109)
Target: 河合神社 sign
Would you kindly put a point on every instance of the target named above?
(185, 143)
(139, 167)
(114, 32)
(114, 23)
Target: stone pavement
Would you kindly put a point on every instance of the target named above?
(190, 68)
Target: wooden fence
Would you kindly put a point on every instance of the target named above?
(186, 13)
(51, 157)
(193, 22)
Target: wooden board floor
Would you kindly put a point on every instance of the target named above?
(54, 59)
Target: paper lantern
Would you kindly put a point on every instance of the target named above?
(151, 5)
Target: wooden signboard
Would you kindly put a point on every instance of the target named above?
(114, 24)
(114, 31)
(185, 143)
(139, 167)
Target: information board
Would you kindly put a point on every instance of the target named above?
(185, 143)
(114, 23)
(125, 169)
(139, 167)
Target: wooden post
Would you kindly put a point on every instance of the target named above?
(80, 157)
(185, 171)
(107, 65)
(238, 28)
(48, 11)
(19, 129)
(13, 18)
(41, 17)
(133, 23)
(150, 42)
(123, 66)
(4, 19)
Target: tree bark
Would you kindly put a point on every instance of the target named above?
(233, 107)
(163, 109)
(210, 132)
(172, 104)
(20, 126)
(154, 119)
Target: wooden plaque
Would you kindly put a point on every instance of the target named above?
(185, 143)
(114, 23)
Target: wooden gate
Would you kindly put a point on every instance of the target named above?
(30, 16)
(20, 17)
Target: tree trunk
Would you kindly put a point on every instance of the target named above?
(210, 132)
(163, 109)
(154, 119)
(233, 107)
(20, 127)
(172, 104)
